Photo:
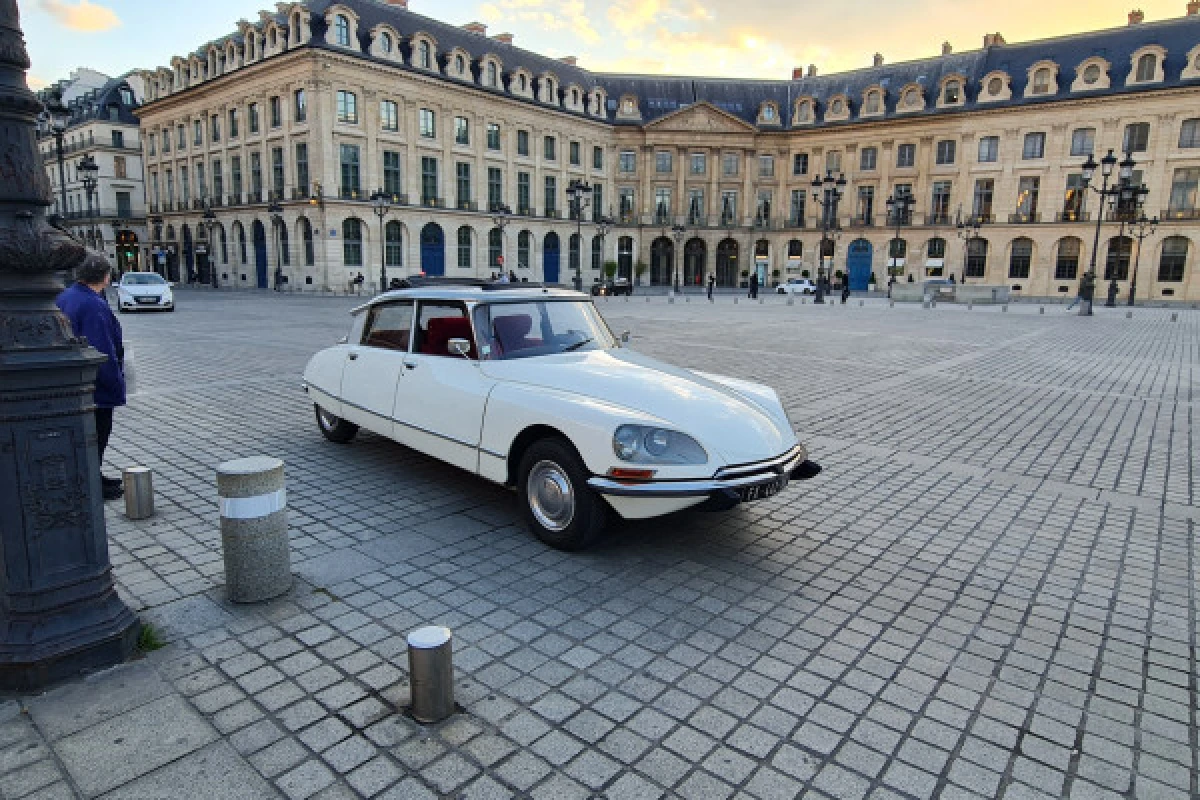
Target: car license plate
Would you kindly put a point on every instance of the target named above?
(147, 300)
(762, 491)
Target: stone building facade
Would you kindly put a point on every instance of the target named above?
(283, 131)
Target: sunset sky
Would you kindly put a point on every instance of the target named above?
(751, 38)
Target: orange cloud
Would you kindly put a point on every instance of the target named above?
(81, 16)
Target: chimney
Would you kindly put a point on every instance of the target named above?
(947, 49)
(1193, 8)
(992, 40)
(504, 38)
(1136, 16)
(477, 28)
(812, 70)
(878, 60)
(569, 60)
(797, 73)
(398, 3)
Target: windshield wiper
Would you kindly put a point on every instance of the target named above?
(572, 347)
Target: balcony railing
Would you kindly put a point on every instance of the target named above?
(662, 218)
(764, 223)
(729, 221)
(104, 213)
(862, 222)
(525, 211)
(433, 202)
(1180, 213)
(216, 201)
(254, 197)
(1024, 218)
(301, 193)
(938, 218)
(796, 221)
(235, 199)
(552, 213)
(982, 219)
(467, 205)
(352, 193)
(697, 220)
(625, 218)
(1072, 216)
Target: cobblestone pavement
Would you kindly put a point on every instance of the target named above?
(990, 591)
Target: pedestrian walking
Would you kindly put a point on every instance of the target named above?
(753, 285)
(358, 281)
(512, 277)
(845, 289)
(712, 281)
(1078, 297)
(84, 305)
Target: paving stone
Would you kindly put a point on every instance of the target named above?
(214, 772)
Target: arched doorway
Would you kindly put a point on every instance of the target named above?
(858, 264)
(259, 234)
(433, 250)
(169, 257)
(727, 263)
(204, 256)
(625, 258)
(189, 254)
(694, 254)
(1116, 263)
(662, 258)
(762, 260)
(550, 254)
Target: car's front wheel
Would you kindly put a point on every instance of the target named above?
(555, 499)
(335, 429)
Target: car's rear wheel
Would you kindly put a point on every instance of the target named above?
(334, 428)
(555, 499)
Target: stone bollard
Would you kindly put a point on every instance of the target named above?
(861, 303)
(970, 306)
(254, 533)
(735, 301)
(1174, 317)
(791, 301)
(431, 673)
(924, 304)
(1004, 308)
(761, 301)
(1041, 309)
(891, 303)
(139, 492)
(670, 300)
(1128, 315)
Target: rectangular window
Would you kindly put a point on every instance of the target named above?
(201, 184)
(695, 207)
(347, 107)
(218, 179)
(1027, 198)
(766, 166)
(867, 158)
(170, 187)
(1183, 190)
(276, 107)
(185, 189)
(302, 167)
(729, 164)
(1083, 141)
(945, 151)
(256, 181)
(252, 114)
(833, 162)
(300, 106)
(277, 171)
(124, 204)
(235, 177)
(549, 145)
(181, 136)
(233, 123)
(597, 202)
(576, 156)
(662, 161)
(1066, 265)
(522, 143)
(866, 204)
(166, 140)
(1076, 195)
(989, 149)
(940, 204)
(495, 188)
(662, 205)
(906, 155)
(762, 211)
(800, 164)
(1189, 134)
(214, 128)
(119, 167)
(150, 140)
(729, 203)
(699, 164)
(351, 176)
(197, 133)
(524, 194)
(389, 115)
(1035, 146)
(597, 158)
(427, 123)
(493, 136)
(1137, 137)
(551, 195)
(462, 131)
(462, 184)
(625, 204)
(391, 173)
(982, 202)
(796, 212)
(429, 181)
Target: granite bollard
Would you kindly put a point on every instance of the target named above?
(254, 531)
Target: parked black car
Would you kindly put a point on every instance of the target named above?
(615, 286)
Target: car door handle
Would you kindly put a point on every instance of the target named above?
(410, 365)
(353, 356)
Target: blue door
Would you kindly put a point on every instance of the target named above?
(858, 265)
(260, 254)
(433, 250)
(550, 250)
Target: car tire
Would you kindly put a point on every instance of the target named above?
(555, 499)
(335, 429)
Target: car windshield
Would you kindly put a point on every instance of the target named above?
(539, 328)
(142, 279)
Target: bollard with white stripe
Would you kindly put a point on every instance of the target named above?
(431, 673)
(254, 532)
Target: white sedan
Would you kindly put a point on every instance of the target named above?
(797, 286)
(526, 386)
(142, 291)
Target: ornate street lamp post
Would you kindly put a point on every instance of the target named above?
(59, 611)
(210, 225)
(579, 194)
(1087, 286)
(678, 231)
(157, 224)
(276, 212)
(381, 204)
(899, 207)
(1126, 205)
(501, 216)
(968, 230)
(88, 172)
(827, 193)
(54, 121)
(603, 225)
(1140, 228)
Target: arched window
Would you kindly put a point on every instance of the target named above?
(1020, 258)
(524, 244)
(597, 253)
(795, 248)
(284, 251)
(341, 28)
(804, 111)
(352, 243)
(897, 249)
(491, 73)
(306, 236)
(1173, 259)
(952, 93)
(574, 245)
(464, 247)
(1041, 81)
(1117, 261)
(1147, 66)
(423, 57)
(393, 244)
(385, 42)
(977, 252)
(495, 249)
(873, 103)
(1066, 262)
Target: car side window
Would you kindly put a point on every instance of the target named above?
(439, 321)
(389, 326)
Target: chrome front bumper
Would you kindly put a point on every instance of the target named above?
(727, 480)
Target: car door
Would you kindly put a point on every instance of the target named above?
(441, 398)
(375, 365)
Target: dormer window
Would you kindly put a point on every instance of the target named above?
(952, 94)
(460, 64)
(274, 38)
(912, 98)
(1041, 81)
(341, 27)
(804, 112)
(768, 113)
(995, 86)
(1147, 67)
(423, 55)
(838, 106)
(491, 74)
(627, 106)
(1091, 74)
(522, 83)
(385, 42)
(873, 103)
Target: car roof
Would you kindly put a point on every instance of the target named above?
(490, 293)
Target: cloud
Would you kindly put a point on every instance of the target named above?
(568, 16)
(81, 16)
(36, 83)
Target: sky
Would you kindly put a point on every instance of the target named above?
(761, 39)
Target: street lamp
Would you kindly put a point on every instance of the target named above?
(54, 122)
(827, 193)
(899, 207)
(381, 204)
(501, 216)
(89, 171)
(1087, 285)
(276, 212)
(579, 194)
(603, 224)
(210, 224)
(1140, 228)
(678, 231)
(157, 224)
(967, 231)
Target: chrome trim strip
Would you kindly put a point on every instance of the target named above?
(416, 428)
(762, 472)
(795, 456)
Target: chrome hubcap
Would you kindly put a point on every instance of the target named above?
(551, 497)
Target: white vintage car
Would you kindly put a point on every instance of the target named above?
(526, 386)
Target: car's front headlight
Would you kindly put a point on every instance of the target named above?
(645, 444)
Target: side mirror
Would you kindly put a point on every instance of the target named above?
(459, 347)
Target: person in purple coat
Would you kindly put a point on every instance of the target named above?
(84, 304)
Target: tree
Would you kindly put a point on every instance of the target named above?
(610, 269)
